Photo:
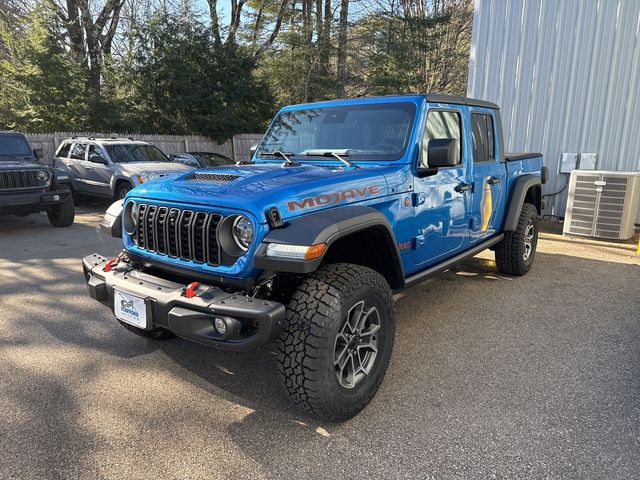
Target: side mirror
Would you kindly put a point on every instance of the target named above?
(252, 151)
(97, 159)
(443, 152)
(37, 152)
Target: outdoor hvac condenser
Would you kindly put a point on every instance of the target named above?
(602, 204)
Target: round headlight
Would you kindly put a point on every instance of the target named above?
(42, 175)
(130, 218)
(242, 231)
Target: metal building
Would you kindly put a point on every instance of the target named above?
(566, 74)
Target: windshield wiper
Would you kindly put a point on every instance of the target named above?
(339, 154)
(285, 155)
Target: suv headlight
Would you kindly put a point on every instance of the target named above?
(130, 218)
(242, 232)
(43, 176)
(147, 176)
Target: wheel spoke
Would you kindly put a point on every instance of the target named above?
(354, 316)
(371, 330)
(350, 370)
(339, 357)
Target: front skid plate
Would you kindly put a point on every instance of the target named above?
(190, 318)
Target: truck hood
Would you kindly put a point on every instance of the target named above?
(137, 168)
(294, 190)
(13, 164)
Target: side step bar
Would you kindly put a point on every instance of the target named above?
(447, 264)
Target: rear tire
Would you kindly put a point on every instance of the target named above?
(63, 214)
(337, 340)
(515, 254)
(155, 334)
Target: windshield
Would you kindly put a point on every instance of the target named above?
(213, 160)
(363, 132)
(132, 152)
(14, 145)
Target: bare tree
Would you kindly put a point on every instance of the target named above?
(90, 36)
(342, 48)
(235, 23)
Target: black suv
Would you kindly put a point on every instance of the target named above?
(27, 186)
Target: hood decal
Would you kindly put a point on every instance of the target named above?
(332, 198)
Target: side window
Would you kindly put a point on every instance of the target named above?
(96, 150)
(440, 124)
(482, 134)
(78, 151)
(63, 151)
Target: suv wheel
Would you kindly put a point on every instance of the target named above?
(121, 190)
(337, 340)
(63, 214)
(515, 254)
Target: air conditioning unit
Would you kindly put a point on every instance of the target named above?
(602, 204)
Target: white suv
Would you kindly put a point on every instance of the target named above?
(110, 167)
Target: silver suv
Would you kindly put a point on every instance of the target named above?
(110, 167)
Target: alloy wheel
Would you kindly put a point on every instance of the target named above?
(356, 345)
(529, 233)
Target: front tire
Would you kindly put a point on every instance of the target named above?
(337, 340)
(121, 190)
(63, 214)
(515, 254)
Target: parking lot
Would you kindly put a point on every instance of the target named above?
(491, 377)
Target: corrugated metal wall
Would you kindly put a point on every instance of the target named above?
(566, 74)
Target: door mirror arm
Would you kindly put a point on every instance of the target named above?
(426, 172)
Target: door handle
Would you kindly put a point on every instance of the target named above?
(88, 168)
(463, 187)
(493, 180)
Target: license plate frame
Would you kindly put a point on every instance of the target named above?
(130, 308)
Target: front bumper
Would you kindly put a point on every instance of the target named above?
(31, 201)
(190, 318)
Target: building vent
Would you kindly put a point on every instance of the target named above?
(602, 204)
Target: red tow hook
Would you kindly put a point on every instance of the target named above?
(190, 291)
(109, 264)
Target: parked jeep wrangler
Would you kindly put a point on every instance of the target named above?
(343, 203)
(27, 186)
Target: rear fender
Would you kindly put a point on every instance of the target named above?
(527, 188)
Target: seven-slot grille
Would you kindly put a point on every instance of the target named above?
(216, 177)
(17, 179)
(179, 233)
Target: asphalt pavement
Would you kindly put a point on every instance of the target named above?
(491, 377)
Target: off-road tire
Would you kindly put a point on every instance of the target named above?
(122, 189)
(63, 214)
(510, 252)
(315, 315)
(155, 333)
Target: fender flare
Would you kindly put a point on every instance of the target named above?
(325, 226)
(518, 194)
(117, 178)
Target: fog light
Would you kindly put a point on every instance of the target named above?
(56, 198)
(221, 326)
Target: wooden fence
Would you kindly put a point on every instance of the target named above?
(236, 148)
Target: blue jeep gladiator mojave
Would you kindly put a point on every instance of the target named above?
(344, 202)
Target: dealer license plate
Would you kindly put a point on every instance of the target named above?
(130, 309)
